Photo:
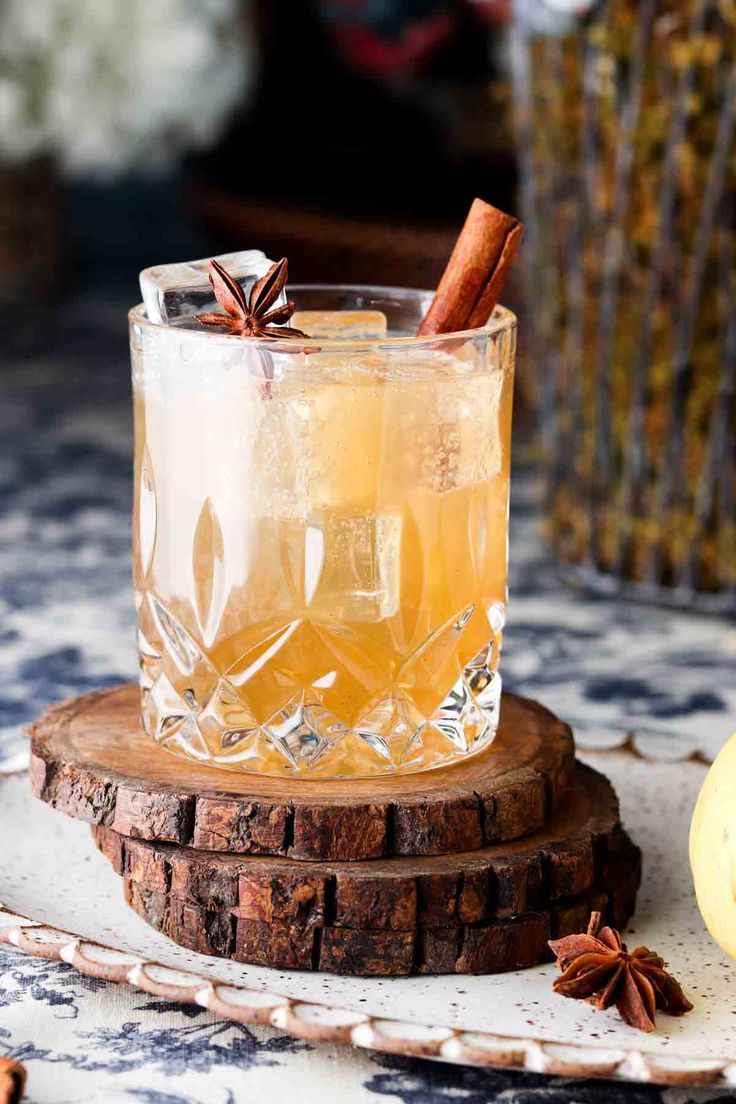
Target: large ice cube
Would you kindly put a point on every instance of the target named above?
(330, 441)
(354, 325)
(173, 291)
(447, 431)
(353, 571)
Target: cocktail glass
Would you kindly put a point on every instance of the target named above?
(320, 538)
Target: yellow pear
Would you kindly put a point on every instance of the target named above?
(713, 849)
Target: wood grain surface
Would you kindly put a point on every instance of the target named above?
(488, 946)
(91, 760)
(418, 914)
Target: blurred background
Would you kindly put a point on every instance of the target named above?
(136, 133)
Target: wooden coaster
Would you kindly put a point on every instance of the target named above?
(479, 912)
(91, 760)
(490, 947)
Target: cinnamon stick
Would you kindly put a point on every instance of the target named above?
(12, 1081)
(476, 272)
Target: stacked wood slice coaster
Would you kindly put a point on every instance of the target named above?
(466, 869)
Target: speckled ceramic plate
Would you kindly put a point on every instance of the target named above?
(62, 900)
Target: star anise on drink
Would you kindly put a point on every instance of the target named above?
(254, 316)
(597, 967)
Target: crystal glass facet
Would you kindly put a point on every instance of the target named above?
(320, 539)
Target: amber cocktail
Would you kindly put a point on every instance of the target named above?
(321, 537)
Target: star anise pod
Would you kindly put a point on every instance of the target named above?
(255, 316)
(12, 1080)
(598, 968)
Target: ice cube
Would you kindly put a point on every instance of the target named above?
(455, 429)
(173, 291)
(359, 568)
(324, 440)
(355, 325)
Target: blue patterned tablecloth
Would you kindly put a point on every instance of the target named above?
(66, 626)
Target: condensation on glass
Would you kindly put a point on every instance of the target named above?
(320, 540)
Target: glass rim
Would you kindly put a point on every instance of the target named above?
(502, 320)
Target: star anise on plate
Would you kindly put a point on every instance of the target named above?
(256, 315)
(597, 967)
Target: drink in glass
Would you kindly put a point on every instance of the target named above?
(321, 537)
